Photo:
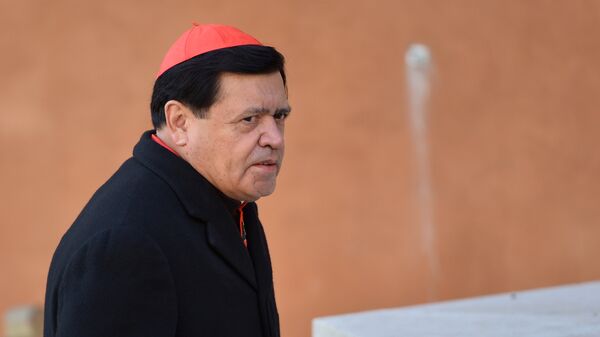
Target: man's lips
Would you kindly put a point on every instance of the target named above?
(266, 162)
(268, 165)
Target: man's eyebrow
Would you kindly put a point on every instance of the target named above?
(263, 110)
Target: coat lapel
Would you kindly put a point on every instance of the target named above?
(226, 241)
(257, 245)
(201, 200)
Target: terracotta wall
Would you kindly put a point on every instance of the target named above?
(512, 136)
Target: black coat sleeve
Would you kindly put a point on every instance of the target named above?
(117, 284)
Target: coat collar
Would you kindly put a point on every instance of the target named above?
(200, 199)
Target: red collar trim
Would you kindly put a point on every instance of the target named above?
(161, 143)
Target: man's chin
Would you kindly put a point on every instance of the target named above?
(261, 189)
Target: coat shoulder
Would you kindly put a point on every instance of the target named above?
(124, 276)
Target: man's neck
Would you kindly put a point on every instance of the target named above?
(161, 141)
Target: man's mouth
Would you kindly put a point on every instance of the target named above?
(267, 162)
(268, 165)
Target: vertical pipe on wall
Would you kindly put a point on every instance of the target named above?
(419, 67)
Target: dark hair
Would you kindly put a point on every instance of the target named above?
(195, 82)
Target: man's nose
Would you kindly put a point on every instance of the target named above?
(271, 134)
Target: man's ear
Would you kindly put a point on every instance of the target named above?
(177, 116)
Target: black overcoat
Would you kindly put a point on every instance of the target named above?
(156, 253)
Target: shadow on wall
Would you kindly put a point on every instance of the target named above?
(25, 321)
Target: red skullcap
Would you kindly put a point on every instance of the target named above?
(201, 39)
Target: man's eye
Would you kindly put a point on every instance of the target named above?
(280, 115)
(249, 119)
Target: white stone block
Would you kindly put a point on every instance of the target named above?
(566, 311)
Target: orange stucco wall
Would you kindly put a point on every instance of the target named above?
(512, 136)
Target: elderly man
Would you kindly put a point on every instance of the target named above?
(171, 244)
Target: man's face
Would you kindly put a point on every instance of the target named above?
(239, 146)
